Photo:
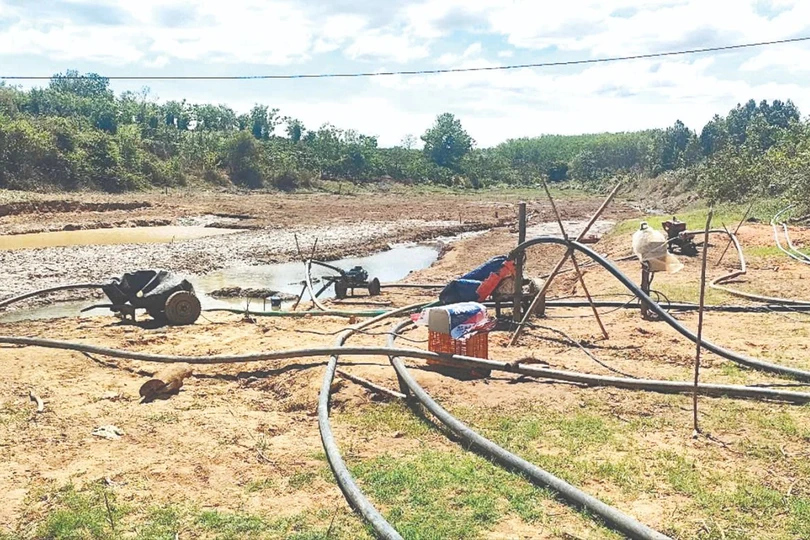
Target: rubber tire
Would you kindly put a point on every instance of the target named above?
(374, 287)
(182, 308)
(341, 289)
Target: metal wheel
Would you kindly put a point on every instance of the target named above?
(374, 287)
(182, 308)
(341, 289)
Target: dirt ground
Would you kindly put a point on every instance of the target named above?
(243, 438)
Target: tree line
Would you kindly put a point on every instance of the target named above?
(75, 133)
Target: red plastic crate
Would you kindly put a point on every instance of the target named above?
(476, 346)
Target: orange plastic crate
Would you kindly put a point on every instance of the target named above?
(476, 346)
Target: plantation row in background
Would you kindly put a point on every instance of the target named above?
(76, 134)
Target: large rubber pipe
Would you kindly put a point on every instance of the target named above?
(330, 313)
(348, 486)
(20, 298)
(661, 312)
(613, 517)
(569, 376)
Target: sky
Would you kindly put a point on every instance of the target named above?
(262, 37)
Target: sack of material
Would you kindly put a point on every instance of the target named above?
(458, 320)
(478, 285)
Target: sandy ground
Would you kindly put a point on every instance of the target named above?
(235, 424)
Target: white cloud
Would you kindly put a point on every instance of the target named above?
(792, 58)
(472, 51)
(377, 45)
(349, 35)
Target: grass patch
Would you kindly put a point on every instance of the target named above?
(12, 414)
(730, 214)
(74, 515)
(256, 486)
(164, 418)
(92, 514)
(688, 293)
(436, 494)
(394, 417)
(161, 522)
(300, 480)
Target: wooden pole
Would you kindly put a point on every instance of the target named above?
(574, 261)
(745, 216)
(588, 296)
(517, 304)
(700, 322)
(541, 295)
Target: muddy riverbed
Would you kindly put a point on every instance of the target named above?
(29, 269)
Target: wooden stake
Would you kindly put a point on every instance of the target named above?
(645, 286)
(574, 261)
(541, 295)
(298, 247)
(700, 321)
(517, 304)
(588, 296)
(745, 216)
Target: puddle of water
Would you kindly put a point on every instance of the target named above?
(113, 236)
(387, 266)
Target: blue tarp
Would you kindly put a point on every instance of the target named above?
(465, 288)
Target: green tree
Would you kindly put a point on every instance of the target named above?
(245, 160)
(446, 143)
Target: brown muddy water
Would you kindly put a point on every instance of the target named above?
(113, 236)
(387, 266)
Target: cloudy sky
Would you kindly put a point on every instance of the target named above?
(245, 37)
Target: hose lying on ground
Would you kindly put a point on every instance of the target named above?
(663, 314)
(717, 283)
(330, 313)
(344, 478)
(20, 298)
(613, 517)
(791, 252)
(718, 390)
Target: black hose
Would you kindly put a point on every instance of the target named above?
(678, 306)
(613, 517)
(662, 313)
(348, 486)
(581, 378)
(31, 294)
